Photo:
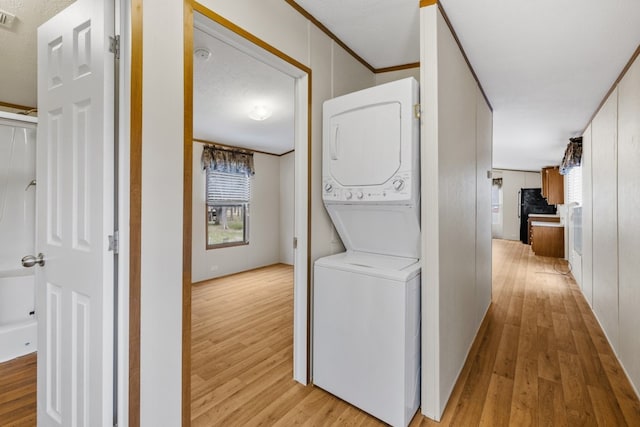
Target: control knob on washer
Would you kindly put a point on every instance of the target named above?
(398, 184)
(359, 195)
(328, 187)
(349, 195)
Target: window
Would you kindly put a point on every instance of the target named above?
(228, 196)
(574, 185)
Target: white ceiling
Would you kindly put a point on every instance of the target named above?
(545, 67)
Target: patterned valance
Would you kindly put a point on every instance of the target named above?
(572, 155)
(227, 160)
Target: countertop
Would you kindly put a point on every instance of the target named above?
(531, 215)
(546, 224)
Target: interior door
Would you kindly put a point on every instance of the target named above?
(74, 299)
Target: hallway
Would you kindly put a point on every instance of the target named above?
(540, 358)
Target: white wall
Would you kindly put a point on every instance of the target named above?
(280, 25)
(611, 220)
(605, 226)
(264, 222)
(629, 222)
(456, 202)
(512, 182)
(286, 207)
(587, 218)
(162, 177)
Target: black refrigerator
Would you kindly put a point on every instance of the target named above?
(532, 202)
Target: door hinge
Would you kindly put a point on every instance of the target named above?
(416, 110)
(114, 242)
(114, 45)
(295, 243)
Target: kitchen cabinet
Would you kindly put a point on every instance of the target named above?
(548, 239)
(553, 185)
(540, 218)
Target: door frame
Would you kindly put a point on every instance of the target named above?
(302, 256)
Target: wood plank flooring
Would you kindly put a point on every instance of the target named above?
(18, 392)
(540, 358)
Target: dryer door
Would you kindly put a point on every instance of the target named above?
(364, 144)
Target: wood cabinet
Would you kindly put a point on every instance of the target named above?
(553, 185)
(545, 218)
(548, 240)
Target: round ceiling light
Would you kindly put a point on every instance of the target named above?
(202, 53)
(260, 113)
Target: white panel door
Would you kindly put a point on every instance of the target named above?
(74, 208)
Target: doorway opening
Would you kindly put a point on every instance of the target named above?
(234, 40)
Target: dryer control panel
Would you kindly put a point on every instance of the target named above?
(371, 146)
(397, 189)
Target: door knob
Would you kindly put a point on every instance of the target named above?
(30, 260)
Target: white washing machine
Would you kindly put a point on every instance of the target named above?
(366, 337)
(366, 306)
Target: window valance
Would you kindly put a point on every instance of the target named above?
(572, 155)
(227, 160)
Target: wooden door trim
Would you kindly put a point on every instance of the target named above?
(187, 208)
(135, 212)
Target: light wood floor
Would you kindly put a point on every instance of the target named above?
(540, 358)
(18, 392)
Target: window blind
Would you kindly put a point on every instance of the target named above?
(574, 185)
(225, 188)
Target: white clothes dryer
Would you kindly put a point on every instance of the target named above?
(371, 169)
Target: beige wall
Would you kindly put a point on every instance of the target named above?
(611, 220)
(456, 252)
(391, 76)
(334, 72)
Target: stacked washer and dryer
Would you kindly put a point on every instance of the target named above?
(366, 301)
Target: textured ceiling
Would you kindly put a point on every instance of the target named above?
(225, 89)
(18, 48)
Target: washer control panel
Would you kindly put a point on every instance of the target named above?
(398, 188)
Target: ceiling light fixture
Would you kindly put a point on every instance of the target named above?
(260, 113)
(202, 53)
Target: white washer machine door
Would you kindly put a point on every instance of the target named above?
(365, 144)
